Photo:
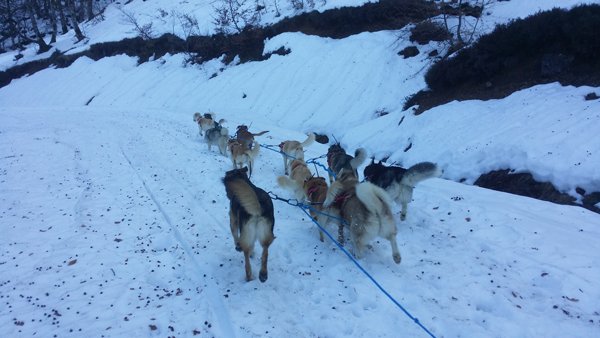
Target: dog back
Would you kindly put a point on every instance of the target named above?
(246, 199)
(315, 189)
(383, 176)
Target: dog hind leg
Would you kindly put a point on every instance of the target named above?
(247, 239)
(247, 265)
(263, 274)
(395, 252)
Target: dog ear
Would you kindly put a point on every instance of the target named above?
(244, 169)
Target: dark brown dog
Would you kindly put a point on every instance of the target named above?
(245, 137)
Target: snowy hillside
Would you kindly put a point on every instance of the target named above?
(114, 219)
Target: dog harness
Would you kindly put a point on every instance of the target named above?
(296, 165)
(341, 199)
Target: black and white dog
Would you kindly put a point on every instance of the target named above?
(399, 182)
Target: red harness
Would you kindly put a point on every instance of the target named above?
(341, 199)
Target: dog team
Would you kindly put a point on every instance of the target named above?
(363, 208)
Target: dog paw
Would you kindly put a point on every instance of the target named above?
(402, 217)
(262, 276)
(238, 247)
(397, 258)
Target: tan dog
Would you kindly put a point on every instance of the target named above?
(294, 150)
(206, 122)
(251, 218)
(245, 137)
(299, 173)
(366, 210)
(240, 155)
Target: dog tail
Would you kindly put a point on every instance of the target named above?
(309, 140)
(286, 182)
(360, 155)
(221, 121)
(255, 149)
(420, 172)
(334, 190)
(261, 133)
(375, 199)
(246, 196)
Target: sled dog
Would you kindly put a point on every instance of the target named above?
(240, 155)
(366, 210)
(400, 182)
(251, 218)
(299, 173)
(217, 136)
(291, 150)
(337, 159)
(245, 137)
(206, 121)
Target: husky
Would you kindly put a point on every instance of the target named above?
(337, 159)
(218, 136)
(291, 150)
(251, 218)
(206, 121)
(366, 211)
(241, 155)
(245, 137)
(299, 173)
(400, 182)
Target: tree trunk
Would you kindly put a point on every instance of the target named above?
(43, 46)
(73, 15)
(52, 16)
(64, 26)
(89, 9)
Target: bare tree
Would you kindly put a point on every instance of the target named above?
(52, 15)
(463, 32)
(144, 31)
(42, 45)
(73, 15)
(89, 9)
(233, 16)
(64, 26)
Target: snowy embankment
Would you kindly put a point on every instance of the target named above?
(340, 87)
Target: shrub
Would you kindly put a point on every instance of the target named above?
(572, 33)
(426, 31)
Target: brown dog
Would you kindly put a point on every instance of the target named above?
(291, 150)
(315, 189)
(245, 137)
(240, 155)
(251, 218)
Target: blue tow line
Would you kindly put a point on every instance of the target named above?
(305, 208)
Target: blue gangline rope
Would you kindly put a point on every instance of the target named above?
(305, 208)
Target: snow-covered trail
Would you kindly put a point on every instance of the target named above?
(116, 221)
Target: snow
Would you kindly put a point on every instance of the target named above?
(115, 223)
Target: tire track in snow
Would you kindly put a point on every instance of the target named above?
(217, 304)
